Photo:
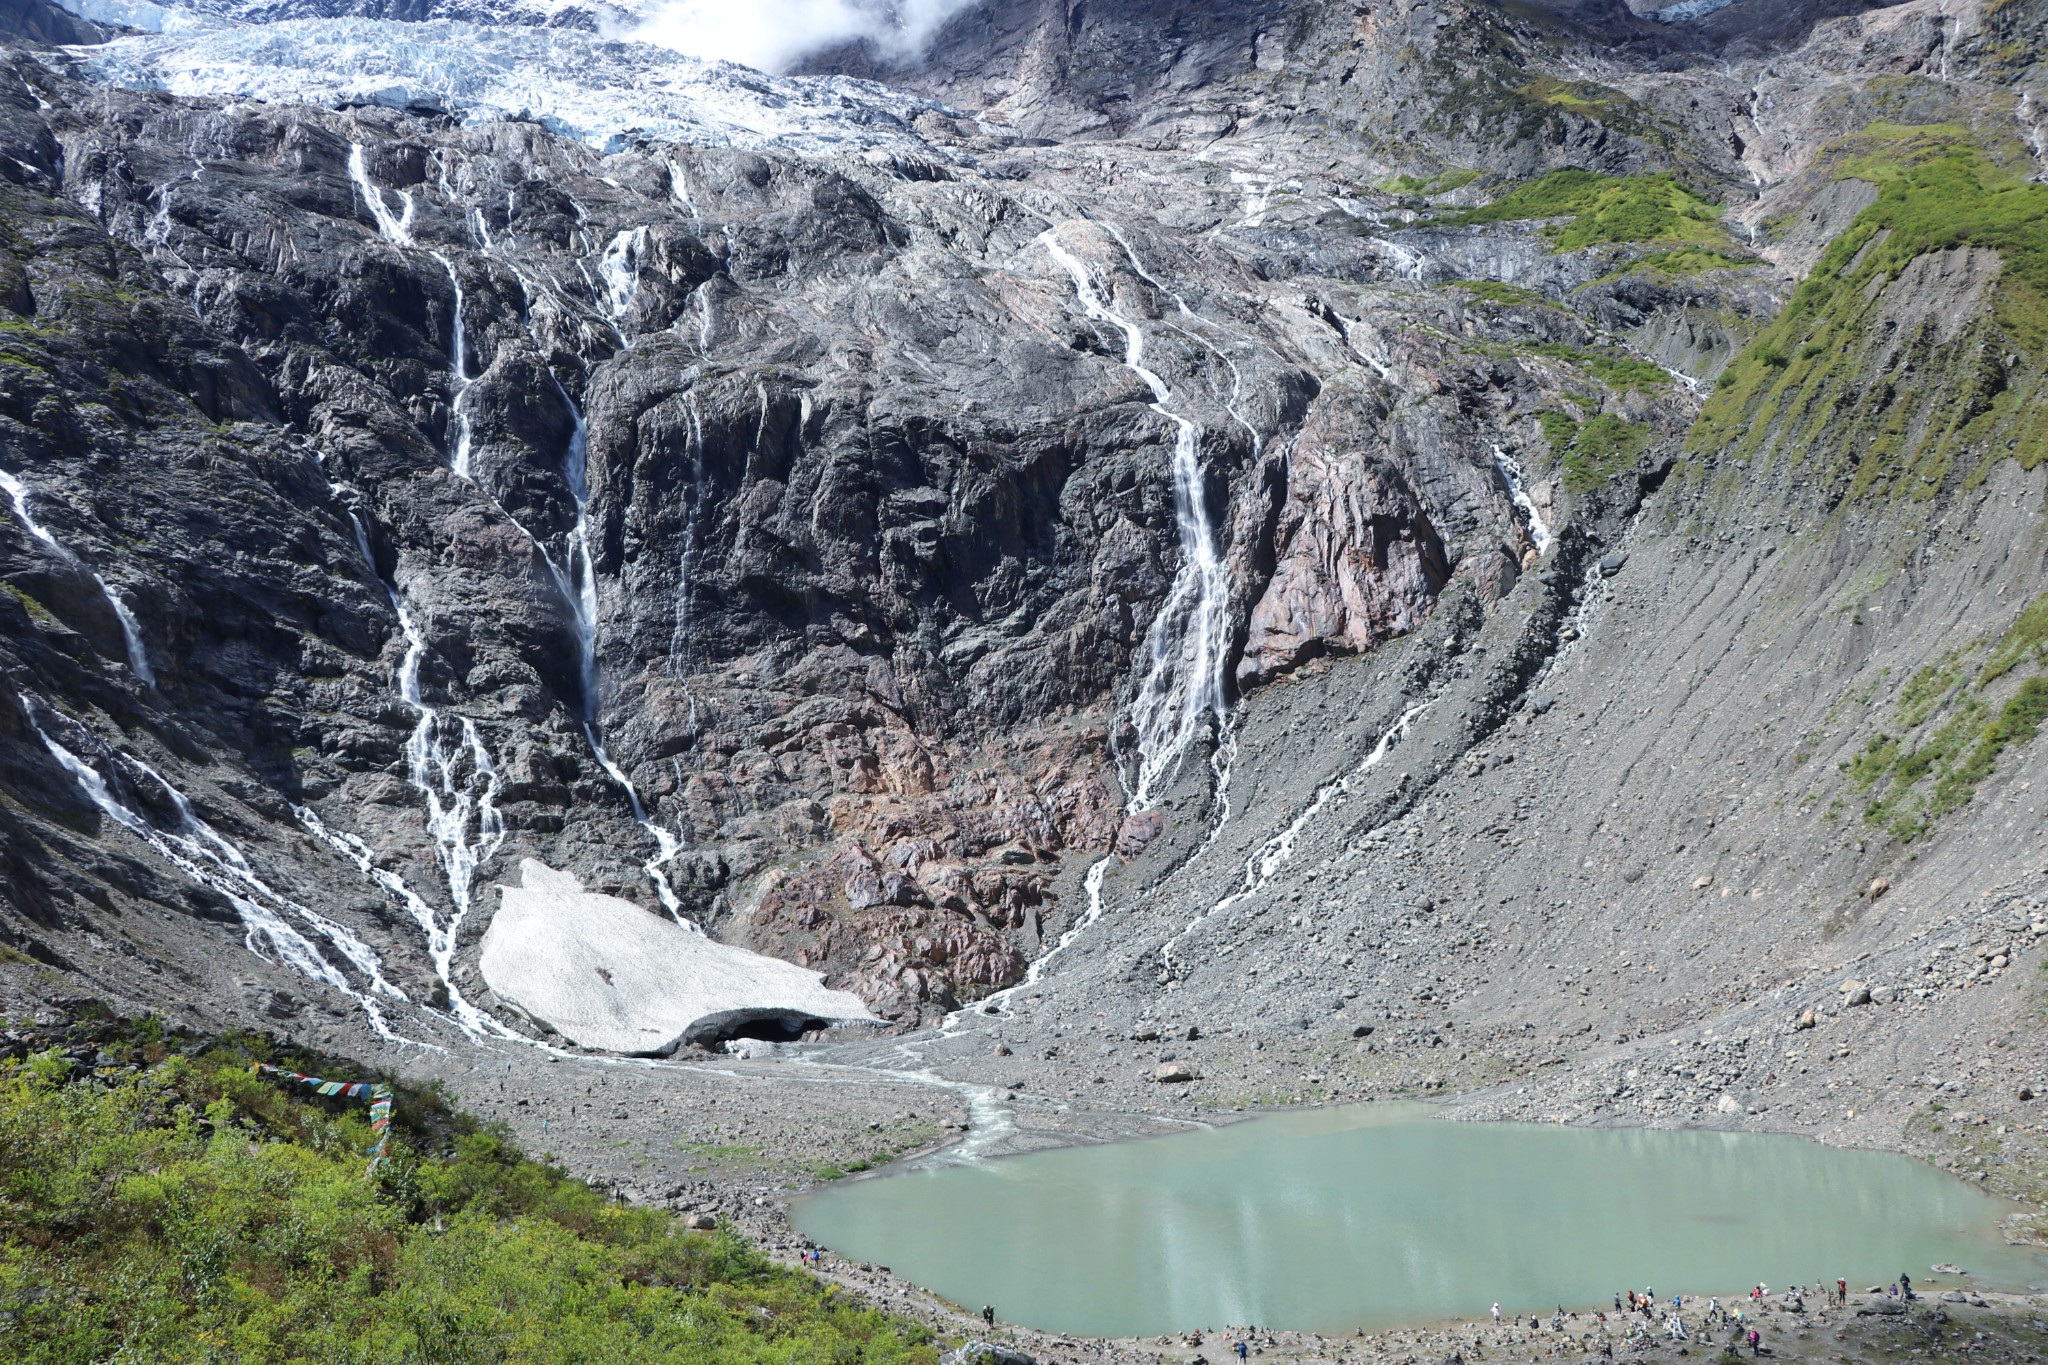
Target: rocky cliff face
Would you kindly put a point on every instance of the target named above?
(842, 527)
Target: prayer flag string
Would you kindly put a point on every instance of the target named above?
(376, 1092)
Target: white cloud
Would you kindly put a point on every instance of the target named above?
(773, 35)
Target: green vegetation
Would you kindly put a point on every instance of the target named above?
(185, 1210)
(2021, 644)
(1911, 783)
(1606, 446)
(1601, 209)
(1618, 370)
(1682, 262)
(37, 612)
(1493, 291)
(1442, 183)
(1593, 451)
(1560, 430)
(730, 1152)
(1590, 100)
(1888, 410)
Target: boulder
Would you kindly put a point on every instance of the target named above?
(1610, 565)
(700, 1222)
(1807, 1019)
(1882, 1306)
(1878, 887)
(1138, 831)
(1855, 993)
(1172, 1073)
(608, 975)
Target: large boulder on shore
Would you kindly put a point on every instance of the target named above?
(606, 974)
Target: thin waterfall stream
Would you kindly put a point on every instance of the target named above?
(207, 857)
(131, 629)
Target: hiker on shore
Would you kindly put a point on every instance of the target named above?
(1906, 1284)
(1496, 1315)
(1756, 1342)
(988, 1314)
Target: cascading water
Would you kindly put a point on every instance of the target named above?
(199, 851)
(579, 590)
(131, 629)
(619, 268)
(451, 804)
(1188, 639)
(460, 785)
(1511, 471)
(1278, 851)
(440, 937)
(397, 230)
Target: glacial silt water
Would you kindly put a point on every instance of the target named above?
(1379, 1215)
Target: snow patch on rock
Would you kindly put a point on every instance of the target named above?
(606, 974)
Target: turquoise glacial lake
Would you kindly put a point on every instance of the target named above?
(1378, 1216)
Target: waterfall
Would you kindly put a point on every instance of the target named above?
(1511, 471)
(1230, 404)
(579, 591)
(456, 798)
(131, 629)
(460, 785)
(131, 634)
(679, 637)
(441, 942)
(1188, 639)
(397, 230)
(619, 268)
(199, 851)
(458, 380)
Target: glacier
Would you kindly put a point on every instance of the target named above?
(608, 94)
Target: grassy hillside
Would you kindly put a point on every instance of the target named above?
(174, 1207)
(1863, 390)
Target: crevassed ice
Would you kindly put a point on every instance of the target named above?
(577, 84)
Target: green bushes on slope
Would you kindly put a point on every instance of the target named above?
(1925, 770)
(1603, 209)
(188, 1211)
(1831, 385)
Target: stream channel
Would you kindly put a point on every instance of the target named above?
(1380, 1215)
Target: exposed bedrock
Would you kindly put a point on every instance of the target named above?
(847, 550)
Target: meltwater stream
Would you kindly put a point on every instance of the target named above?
(1379, 1215)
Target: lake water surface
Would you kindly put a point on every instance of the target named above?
(1378, 1215)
